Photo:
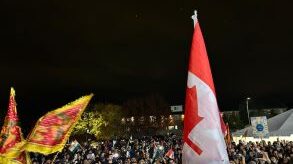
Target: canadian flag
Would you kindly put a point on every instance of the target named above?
(170, 154)
(203, 126)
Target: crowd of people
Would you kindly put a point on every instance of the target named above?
(145, 150)
(261, 152)
(161, 149)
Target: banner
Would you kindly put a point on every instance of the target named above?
(53, 129)
(260, 127)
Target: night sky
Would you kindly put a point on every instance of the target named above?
(54, 51)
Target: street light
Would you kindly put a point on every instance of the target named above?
(247, 99)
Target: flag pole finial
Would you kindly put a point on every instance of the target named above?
(12, 91)
(194, 17)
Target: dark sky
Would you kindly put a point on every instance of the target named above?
(53, 51)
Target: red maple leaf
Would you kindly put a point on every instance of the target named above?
(191, 117)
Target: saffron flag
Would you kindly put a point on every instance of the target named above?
(11, 136)
(203, 127)
(53, 129)
(228, 136)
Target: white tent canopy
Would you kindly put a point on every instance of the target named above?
(279, 125)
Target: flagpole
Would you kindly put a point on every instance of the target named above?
(55, 157)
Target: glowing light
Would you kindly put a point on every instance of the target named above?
(123, 120)
(115, 155)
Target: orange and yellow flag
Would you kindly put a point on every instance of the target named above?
(53, 129)
(228, 137)
(11, 136)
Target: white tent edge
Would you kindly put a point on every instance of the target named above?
(280, 127)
